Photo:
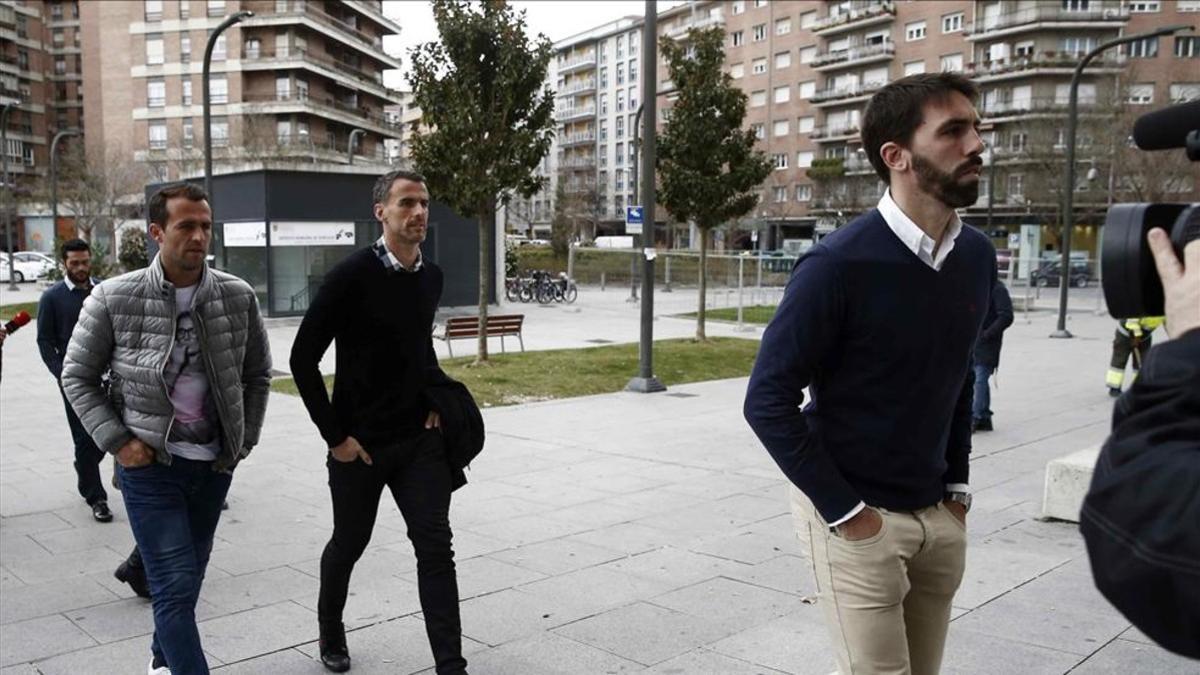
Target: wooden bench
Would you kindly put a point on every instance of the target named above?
(463, 327)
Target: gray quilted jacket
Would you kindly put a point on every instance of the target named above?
(128, 324)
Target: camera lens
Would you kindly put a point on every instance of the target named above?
(1131, 284)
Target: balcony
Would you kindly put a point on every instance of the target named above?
(578, 63)
(345, 32)
(872, 14)
(854, 56)
(857, 165)
(578, 87)
(292, 102)
(701, 23)
(260, 58)
(577, 138)
(834, 133)
(1041, 63)
(578, 164)
(994, 111)
(842, 95)
(569, 114)
(1035, 18)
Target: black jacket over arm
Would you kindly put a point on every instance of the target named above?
(1141, 517)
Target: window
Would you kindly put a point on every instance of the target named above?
(603, 130)
(1023, 48)
(1183, 92)
(1076, 5)
(758, 66)
(620, 73)
(620, 127)
(218, 53)
(58, 37)
(914, 68)
(952, 63)
(283, 88)
(185, 49)
(737, 71)
(60, 65)
(952, 23)
(620, 179)
(621, 101)
(1086, 93)
(759, 129)
(1016, 186)
(779, 194)
(783, 26)
(1187, 47)
(1016, 141)
(603, 77)
(804, 193)
(603, 163)
(633, 46)
(781, 160)
(633, 71)
(620, 46)
(633, 98)
(783, 94)
(1183, 6)
(807, 54)
(783, 60)
(737, 38)
(758, 98)
(1146, 48)
(216, 7)
(189, 133)
(1145, 7)
(781, 127)
(760, 3)
(187, 92)
(804, 124)
(1141, 93)
(156, 93)
(56, 12)
(301, 89)
(914, 31)
(154, 50)
(1078, 46)
(218, 89)
(807, 19)
(804, 159)
(603, 104)
(283, 131)
(739, 7)
(153, 10)
(620, 147)
(158, 135)
(185, 10)
(759, 32)
(807, 89)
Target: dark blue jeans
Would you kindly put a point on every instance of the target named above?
(87, 459)
(981, 403)
(174, 512)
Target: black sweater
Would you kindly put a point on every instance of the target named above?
(383, 324)
(58, 312)
(884, 342)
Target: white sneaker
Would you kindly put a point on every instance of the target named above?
(160, 670)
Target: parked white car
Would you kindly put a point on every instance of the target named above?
(30, 266)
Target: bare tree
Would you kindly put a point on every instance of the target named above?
(840, 195)
(578, 208)
(100, 191)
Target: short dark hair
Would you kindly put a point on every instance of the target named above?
(158, 201)
(383, 185)
(894, 112)
(74, 245)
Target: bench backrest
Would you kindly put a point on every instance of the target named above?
(500, 324)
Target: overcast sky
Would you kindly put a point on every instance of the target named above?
(557, 19)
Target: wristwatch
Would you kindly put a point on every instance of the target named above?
(963, 498)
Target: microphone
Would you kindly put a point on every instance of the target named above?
(1167, 128)
(16, 322)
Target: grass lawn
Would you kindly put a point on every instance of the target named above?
(761, 314)
(9, 311)
(566, 373)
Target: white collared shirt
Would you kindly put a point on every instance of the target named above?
(71, 285)
(923, 246)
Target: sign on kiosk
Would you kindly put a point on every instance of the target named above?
(633, 220)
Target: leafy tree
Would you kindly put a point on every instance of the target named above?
(487, 117)
(710, 172)
(133, 255)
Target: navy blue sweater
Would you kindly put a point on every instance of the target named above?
(58, 311)
(884, 343)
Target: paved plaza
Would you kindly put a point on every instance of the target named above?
(607, 534)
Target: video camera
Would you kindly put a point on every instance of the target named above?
(1132, 287)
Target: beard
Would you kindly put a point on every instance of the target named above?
(81, 277)
(946, 187)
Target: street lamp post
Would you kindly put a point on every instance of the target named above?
(1069, 184)
(646, 382)
(350, 144)
(54, 176)
(208, 50)
(12, 267)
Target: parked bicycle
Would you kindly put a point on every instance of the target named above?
(541, 286)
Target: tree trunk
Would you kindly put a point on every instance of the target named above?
(487, 218)
(703, 284)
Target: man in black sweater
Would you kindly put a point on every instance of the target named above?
(987, 354)
(58, 311)
(879, 321)
(378, 305)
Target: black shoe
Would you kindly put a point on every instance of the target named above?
(135, 577)
(101, 512)
(1114, 392)
(982, 425)
(334, 653)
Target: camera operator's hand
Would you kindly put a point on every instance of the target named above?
(1181, 282)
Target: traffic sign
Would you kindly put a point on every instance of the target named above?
(633, 220)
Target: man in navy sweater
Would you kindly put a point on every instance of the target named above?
(58, 311)
(879, 321)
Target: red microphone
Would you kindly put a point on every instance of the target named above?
(17, 321)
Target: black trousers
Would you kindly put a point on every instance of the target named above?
(87, 459)
(418, 475)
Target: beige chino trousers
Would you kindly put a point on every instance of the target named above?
(886, 599)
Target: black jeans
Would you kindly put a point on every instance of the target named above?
(418, 475)
(87, 459)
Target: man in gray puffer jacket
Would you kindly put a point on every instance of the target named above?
(190, 368)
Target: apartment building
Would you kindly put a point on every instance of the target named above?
(809, 67)
(289, 83)
(40, 73)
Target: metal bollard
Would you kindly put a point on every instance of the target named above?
(667, 284)
(602, 280)
(741, 324)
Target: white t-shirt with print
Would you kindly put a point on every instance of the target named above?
(195, 433)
